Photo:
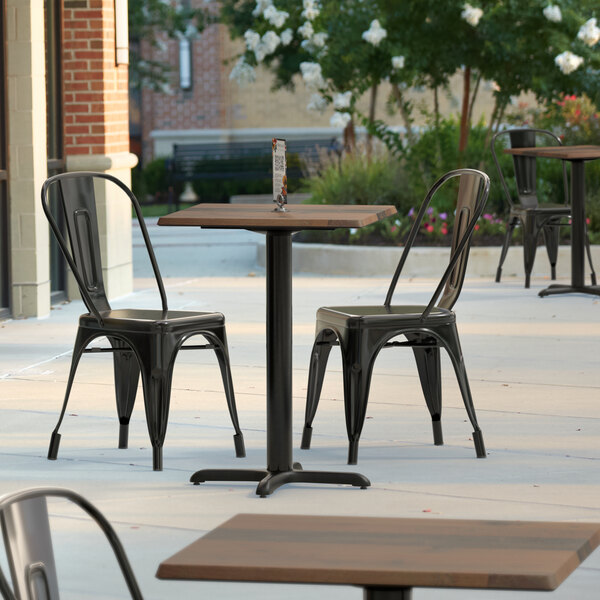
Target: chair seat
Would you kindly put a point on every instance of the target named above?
(559, 209)
(146, 320)
(379, 315)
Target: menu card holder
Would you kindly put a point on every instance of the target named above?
(279, 175)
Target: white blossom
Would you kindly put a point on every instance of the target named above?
(242, 72)
(311, 9)
(316, 103)
(306, 30)
(271, 40)
(286, 37)
(312, 75)
(375, 33)
(398, 62)
(589, 32)
(342, 100)
(568, 62)
(340, 119)
(275, 17)
(252, 39)
(552, 13)
(319, 39)
(471, 14)
(261, 6)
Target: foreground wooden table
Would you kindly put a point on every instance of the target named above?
(278, 227)
(387, 557)
(577, 156)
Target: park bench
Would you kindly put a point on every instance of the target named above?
(242, 160)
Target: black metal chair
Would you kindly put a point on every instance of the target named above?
(527, 211)
(362, 331)
(29, 549)
(141, 340)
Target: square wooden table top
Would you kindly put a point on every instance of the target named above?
(563, 152)
(367, 551)
(263, 216)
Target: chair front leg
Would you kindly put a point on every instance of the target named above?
(449, 336)
(156, 353)
(357, 367)
(82, 339)
(530, 238)
(127, 375)
(510, 227)
(551, 237)
(316, 374)
(589, 256)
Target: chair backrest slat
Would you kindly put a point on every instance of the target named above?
(473, 190)
(77, 200)
(29, 551)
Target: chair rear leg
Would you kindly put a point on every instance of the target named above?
(225, 366)
(127, 375)
(430, 374)
(551, 235)
(510, 226)
(530, 237)
(316, 374)
(452, 344)
(81, 341)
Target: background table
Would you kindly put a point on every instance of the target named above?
(576, 155)
(278, 227)
(387, 557)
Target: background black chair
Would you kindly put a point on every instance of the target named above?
(29, 549)
(362, 331)
(527, 210)
(145, 341)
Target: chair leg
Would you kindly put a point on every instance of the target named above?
(127, 375)
(530, 236)
(551, 237)
(316, 374)
(357, 368)
(510, 227)
(451, 341)
(430, 374)
(589, 256)
(225, 366)
(81, 341)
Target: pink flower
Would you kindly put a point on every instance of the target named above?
(429, 228)
(488, 217)
(393, 228)
(476, 227)
(587, 220)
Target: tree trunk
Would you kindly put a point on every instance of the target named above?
(349, 137)
(490, 130)
(404, 113)
(473, 98)
(464, 115)
(372, 106)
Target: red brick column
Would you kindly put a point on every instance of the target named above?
(95, 88)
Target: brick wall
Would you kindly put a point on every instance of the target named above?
(96, 95)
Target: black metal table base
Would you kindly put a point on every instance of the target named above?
(269, 481)
(570, 289)
(387, 593)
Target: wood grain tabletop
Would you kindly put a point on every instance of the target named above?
(263, 217)
(563, 152)
(368, 551)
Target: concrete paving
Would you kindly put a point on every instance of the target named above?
(533, 369)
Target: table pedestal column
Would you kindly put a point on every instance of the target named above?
(387, 593)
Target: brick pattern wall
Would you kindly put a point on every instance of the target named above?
(95, 89)
(200, 107)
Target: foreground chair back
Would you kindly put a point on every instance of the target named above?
(363, 331)
(142, 341)
(525, 209)
(29, 550)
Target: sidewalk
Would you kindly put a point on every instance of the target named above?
(533, 369)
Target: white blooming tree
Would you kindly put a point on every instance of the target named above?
(343, 49)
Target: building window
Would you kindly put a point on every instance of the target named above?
(185, 63)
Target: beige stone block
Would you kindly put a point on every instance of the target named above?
(24, 162)
(27, 231)
(24, 266)
(18, 58)
(24, 91)
(11, 21)
(21, 127)
(23, 194)
(118, 281)
(35, 300)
